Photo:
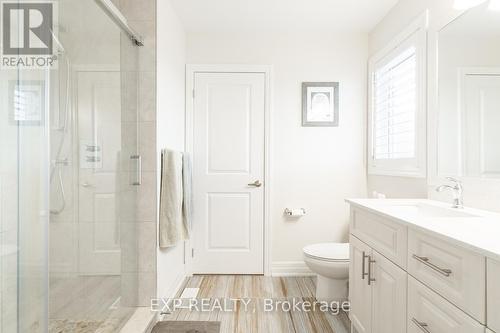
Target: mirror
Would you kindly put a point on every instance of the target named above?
(469, 95)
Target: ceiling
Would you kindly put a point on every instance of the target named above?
(477, 22)
(281, 15)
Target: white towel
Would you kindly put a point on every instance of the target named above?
(172, 228)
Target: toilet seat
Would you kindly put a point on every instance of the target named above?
(334, 252)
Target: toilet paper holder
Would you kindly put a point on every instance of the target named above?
(295, 212)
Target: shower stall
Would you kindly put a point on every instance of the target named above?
(70, 172)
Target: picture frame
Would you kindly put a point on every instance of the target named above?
(320, 104)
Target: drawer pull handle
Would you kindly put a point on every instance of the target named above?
(422, 326)
(428, 263)
(363, 268)
(370, 262)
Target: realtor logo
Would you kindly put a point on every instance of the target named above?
(27, 34)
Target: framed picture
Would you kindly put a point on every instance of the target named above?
(320, 104)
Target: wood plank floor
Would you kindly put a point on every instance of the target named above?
(254, 318)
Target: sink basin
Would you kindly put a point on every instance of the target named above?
(428, 211)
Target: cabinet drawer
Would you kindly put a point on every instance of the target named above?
(429, 312)
(493, 294)
(456, 274)
(383, 235)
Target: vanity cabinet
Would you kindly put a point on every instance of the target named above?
(404, 277)
(377, 291)
(389, 296)
(385, 236)
(455, 273)
(429, 312)
(493, 268)
(360, 293)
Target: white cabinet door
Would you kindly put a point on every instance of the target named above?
(429, 312)
(360, 293)
(389, 296)
(493, 295)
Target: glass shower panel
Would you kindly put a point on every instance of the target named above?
(8, 205)
(31, 92)
(94, 173)
(24, 105)
(69, 173)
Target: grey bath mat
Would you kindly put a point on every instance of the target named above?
(187, 327)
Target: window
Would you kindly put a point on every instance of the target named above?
(397, 105)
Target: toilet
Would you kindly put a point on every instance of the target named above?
(330, 261)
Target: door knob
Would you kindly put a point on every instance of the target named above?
(86, 184)
(256, 183)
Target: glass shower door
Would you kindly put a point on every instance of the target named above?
(93, 238)
(69, 177)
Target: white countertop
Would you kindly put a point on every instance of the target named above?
(480, 233)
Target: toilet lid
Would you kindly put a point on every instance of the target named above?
(328, 251)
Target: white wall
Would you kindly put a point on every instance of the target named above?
(480, 194)
(313, 168)
(170, 123)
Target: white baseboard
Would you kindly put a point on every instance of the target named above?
(290, 268)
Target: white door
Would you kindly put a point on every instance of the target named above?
(360, 293)
(99, 132)
(389, 296)
(228, 173)
(481, 112)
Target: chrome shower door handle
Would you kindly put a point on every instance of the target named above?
(256, 183)
(138, 177)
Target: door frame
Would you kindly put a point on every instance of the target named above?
(267, 70)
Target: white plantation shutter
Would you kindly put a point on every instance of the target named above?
(395, 106)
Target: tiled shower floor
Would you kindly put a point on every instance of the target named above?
(86, 304)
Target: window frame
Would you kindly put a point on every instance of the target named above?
(414, 35)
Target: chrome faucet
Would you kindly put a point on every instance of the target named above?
(457, 189)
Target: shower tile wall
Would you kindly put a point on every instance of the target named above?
(142, 17)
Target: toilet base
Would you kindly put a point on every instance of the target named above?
(331, 290)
